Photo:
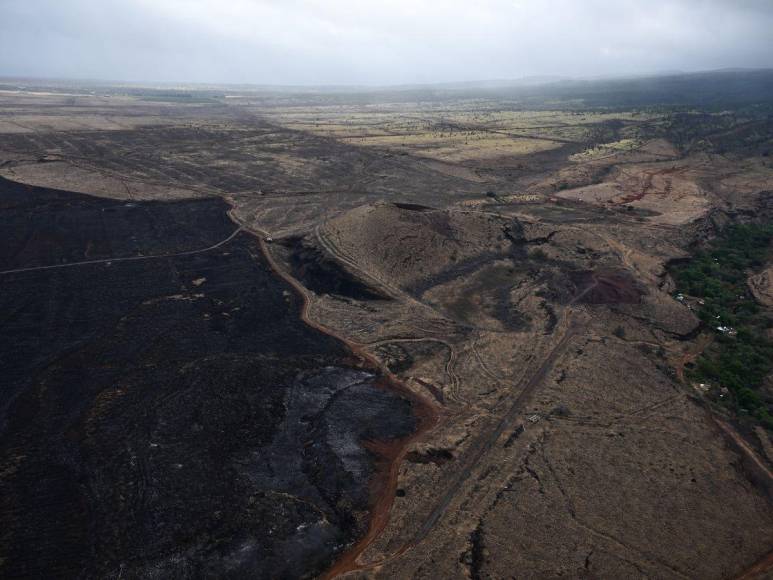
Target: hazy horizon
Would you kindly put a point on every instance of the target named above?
(388, 43)
(532, 81)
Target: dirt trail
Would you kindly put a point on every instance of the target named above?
(691, 355)
(647, 184)
(489, 439)
(472, 457)
(759, 570)
(128, 258)
(453, 378)
(741, 443)
(390, 453)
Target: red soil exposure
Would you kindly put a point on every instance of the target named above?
(647, 186)
(606, 287)
(759, 570)
(703, 342)
(383, 486)
(389, 454)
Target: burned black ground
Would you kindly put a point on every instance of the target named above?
(322, 275)
(170, 416)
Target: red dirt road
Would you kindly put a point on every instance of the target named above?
(390, 453)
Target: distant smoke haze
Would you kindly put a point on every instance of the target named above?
(377, 42)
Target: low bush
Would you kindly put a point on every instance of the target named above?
(741, 356)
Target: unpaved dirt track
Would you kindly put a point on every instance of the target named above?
(128, 258)
(733, 435)
(759, 571)
(290, 164)
(348, 563)
(473, 456)
(136, 312)
(490, 438)
(391, 453)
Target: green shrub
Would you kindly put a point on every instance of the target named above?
(740, 361)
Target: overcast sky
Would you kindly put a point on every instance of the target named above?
(377, 41)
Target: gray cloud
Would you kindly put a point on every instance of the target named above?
(377, 42)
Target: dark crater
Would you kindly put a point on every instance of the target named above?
(170, 417)
(323, 275)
